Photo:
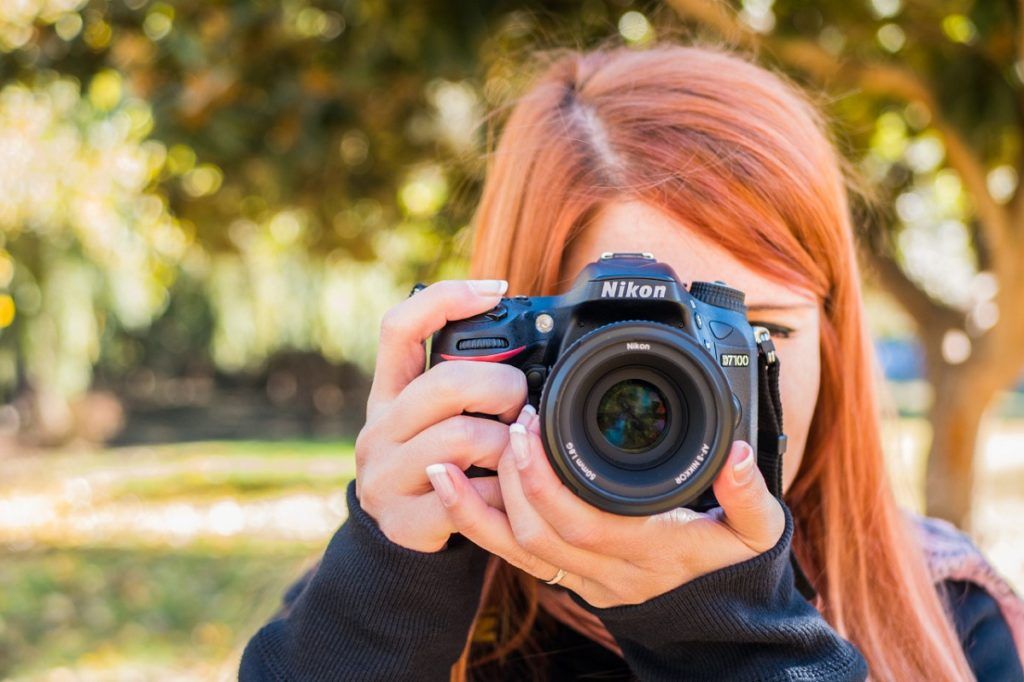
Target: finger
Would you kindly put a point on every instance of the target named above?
(536, 535)
(749, 510)
(472, 516)
(490, 528)
(489, 490)
(487, 487)
(453, 387)
(461, 440)
(577, 523)
(405, 522)
(404, 328)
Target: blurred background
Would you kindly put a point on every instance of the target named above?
(205, 206)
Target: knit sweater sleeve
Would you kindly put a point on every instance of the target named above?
(742, 622)
(373, 610)
(983, 632)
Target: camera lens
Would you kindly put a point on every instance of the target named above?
(637, 417)
(632, 415)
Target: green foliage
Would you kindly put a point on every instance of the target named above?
(82, 229)
(262, 176)
(928, 71)
(295, 166)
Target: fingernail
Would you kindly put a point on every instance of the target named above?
(526, 414)
(442, 482)
(488, 287)
(520, 448)
(743, 464)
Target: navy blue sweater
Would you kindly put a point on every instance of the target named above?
(374, 610)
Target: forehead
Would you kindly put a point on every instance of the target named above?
(636, 226)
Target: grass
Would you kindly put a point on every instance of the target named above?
(215, 485)
(113, 565)
(100, 609)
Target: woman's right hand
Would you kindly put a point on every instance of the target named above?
(415, 418)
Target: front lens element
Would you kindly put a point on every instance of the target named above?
(632, 415)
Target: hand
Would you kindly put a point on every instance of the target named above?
(414, 417)
(610, 559)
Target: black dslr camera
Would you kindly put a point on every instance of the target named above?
(641, 385)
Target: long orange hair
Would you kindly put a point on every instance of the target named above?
(744, 157)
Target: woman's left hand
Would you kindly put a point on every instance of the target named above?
(610, 560)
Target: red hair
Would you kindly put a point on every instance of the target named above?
(743, 157)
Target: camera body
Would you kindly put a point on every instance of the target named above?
(641, 384)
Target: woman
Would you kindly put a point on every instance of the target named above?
(724, 171)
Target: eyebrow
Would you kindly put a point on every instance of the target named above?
(780, 306)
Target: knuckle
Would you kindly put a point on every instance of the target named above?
(516, 380)
(363, 444)
(746, 495)
(467, 524)
(366, 445)
(458, 379)
(392, 323)
(458, 434)
(451, 379)
(456, 288)
(530, 537)
(376, 492)
(370, 499)
(398, 530)
(535, 489)
(511, 380)
(580, 535)
(445, 294)
(756, 499)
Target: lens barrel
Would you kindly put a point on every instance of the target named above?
(637, 417)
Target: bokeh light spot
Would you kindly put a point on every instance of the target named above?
(634, 27)
(159, 21)
(6, 310)
(959, 28)
(105, 90)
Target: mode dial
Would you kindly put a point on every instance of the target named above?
(718, 294)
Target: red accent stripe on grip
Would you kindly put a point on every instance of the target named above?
(496, 357)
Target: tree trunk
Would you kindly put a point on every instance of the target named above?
(963, 394)
(955, 417)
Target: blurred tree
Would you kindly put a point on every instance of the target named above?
(305, 162)
(930, 96)
(85, 239)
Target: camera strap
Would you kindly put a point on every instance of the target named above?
(771, 439)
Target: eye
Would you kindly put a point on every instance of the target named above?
(777, 331)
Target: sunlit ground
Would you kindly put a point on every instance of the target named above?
(159, 562)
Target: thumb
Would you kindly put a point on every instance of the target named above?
(753, 514)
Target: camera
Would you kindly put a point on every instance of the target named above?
(641, 383)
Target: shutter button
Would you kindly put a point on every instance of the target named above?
(498, 312)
